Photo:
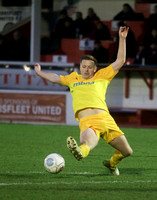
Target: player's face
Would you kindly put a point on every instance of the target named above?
(87, 69)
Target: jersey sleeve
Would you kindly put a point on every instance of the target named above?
(66, 80)
(106, 73)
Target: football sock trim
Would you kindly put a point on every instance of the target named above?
(84, 149)
(116, 158)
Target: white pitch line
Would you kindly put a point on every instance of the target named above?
(74, 183)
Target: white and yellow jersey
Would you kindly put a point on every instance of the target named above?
(89, 93)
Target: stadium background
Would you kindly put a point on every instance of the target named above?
(26, 98)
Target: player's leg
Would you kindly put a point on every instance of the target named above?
(123, 150)
(116, 138)
(121, 144)
(88, 141)
(89, 137)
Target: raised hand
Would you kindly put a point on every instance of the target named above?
(123, 31)
(37, 68)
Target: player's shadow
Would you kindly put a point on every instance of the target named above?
(65, 175)
(136, 171)
(106, 172)
(110, 188)
(20, 176)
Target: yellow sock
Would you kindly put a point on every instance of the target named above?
(85, 150)
(116, 158)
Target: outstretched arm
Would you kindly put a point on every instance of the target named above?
(121, 56)
(54, 78)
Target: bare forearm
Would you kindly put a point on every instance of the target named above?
(54, 78)
(121, 55)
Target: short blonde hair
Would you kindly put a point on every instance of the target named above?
(88, 57)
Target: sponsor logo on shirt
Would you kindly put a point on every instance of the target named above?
(83, 83)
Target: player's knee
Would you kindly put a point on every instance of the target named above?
(89, 138)
(92, 144)
(129, 152)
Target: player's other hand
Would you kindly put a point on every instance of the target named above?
(123, 31)
(37, 68)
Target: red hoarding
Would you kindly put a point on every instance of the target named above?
(26, 107)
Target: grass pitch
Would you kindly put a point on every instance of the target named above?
(23, 177)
